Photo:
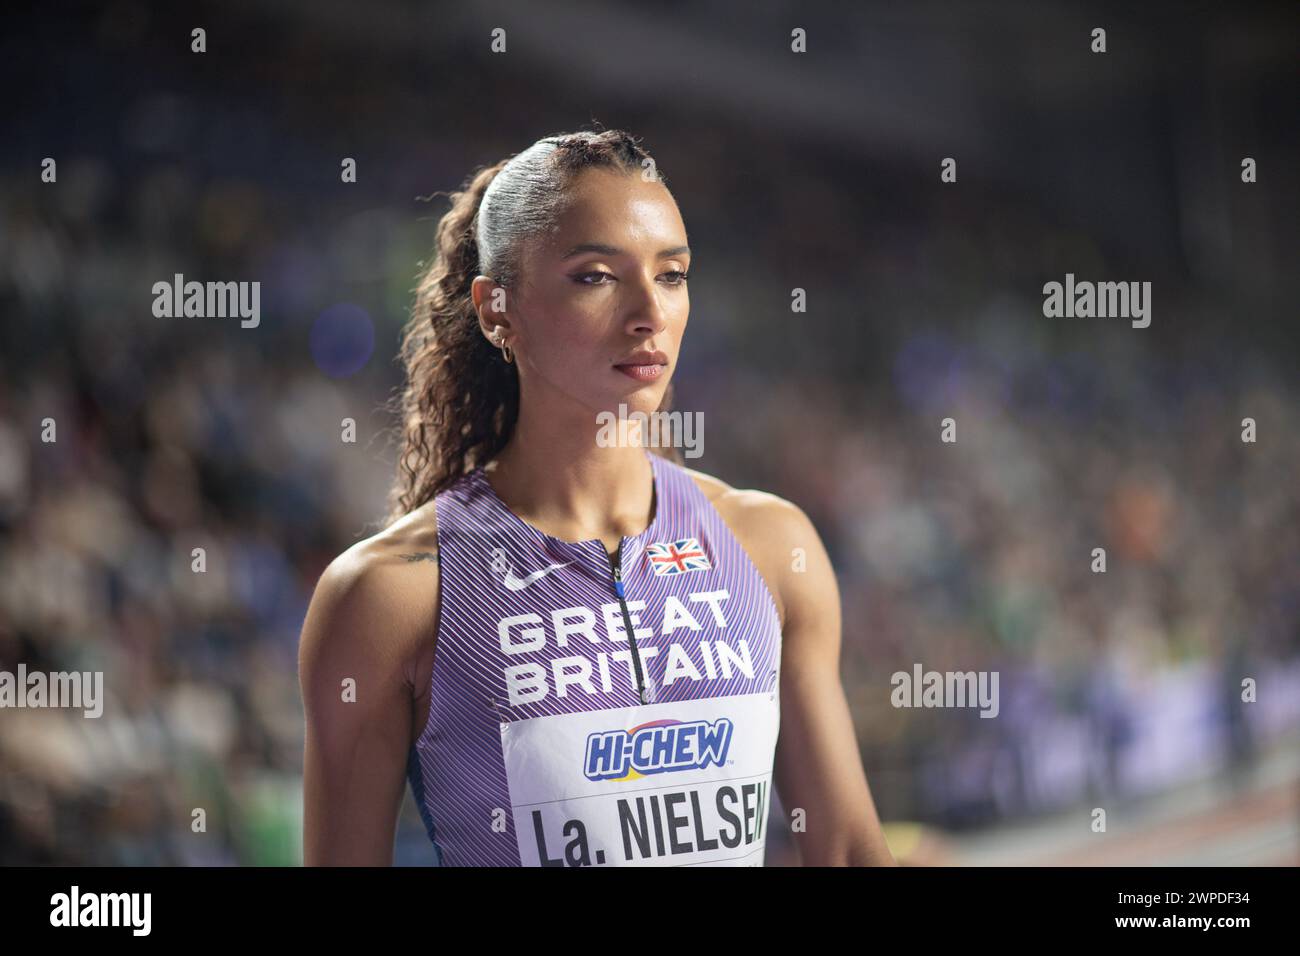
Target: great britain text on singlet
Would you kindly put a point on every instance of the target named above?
(526, 633)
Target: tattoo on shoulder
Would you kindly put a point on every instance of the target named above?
(421, 556)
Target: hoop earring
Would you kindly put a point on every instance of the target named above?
(499, 341)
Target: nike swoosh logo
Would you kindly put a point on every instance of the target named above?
(513, 583)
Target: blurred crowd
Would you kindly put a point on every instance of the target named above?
(978, 555)
(971, 555)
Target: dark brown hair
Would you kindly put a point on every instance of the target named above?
(460, 401)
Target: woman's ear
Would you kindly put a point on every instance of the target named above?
(491, 304)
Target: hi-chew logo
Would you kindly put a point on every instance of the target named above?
(660, 746)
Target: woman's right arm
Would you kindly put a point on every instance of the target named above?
(360, 641)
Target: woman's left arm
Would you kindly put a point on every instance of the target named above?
(819, 770)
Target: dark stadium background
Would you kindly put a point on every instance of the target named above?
(818, 171)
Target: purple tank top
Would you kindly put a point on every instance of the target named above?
(553, 739)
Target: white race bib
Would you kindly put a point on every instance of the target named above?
(670, 784)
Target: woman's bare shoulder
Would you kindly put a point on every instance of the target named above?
(378, 599)
(400, 557)
(753, 508)
(767, 526)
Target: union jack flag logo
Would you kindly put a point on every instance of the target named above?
(677, 557)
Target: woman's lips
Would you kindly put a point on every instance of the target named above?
(642, 373)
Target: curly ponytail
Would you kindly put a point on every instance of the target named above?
(461, 399)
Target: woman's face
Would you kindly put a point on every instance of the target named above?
(605, 285)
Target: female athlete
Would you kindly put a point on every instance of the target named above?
(573, 648)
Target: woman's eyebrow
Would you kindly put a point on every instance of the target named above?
(615, 251)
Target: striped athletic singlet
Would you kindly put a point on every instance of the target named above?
(553, 739)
